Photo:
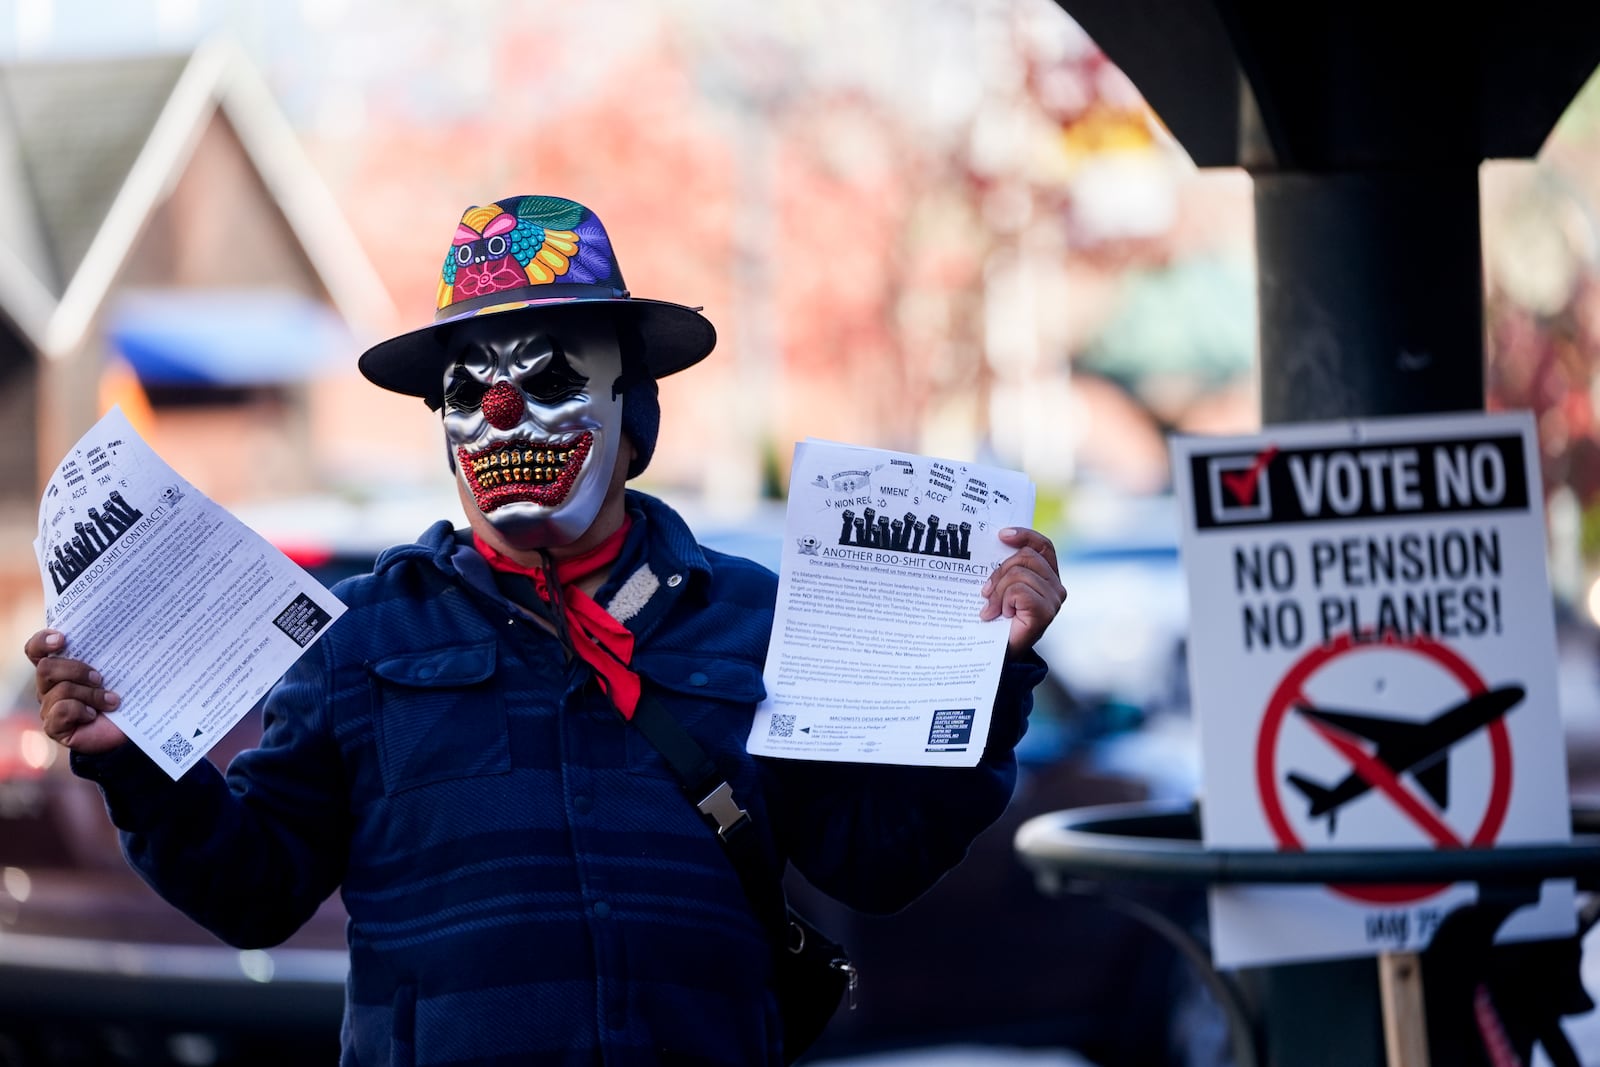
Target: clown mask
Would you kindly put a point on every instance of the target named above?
(533, 420)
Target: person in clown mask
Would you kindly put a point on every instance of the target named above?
(525, 880)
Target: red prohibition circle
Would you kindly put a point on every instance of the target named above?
(1291, 688)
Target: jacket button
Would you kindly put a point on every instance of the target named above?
(601, 909)
(675, 580)
(426, 672)
(582, 803)
(698, 678)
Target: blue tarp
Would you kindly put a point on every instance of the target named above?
(233, 337)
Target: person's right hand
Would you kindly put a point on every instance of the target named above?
(71, 697)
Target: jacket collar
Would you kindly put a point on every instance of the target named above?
(660, 546)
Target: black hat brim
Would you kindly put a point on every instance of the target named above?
(675, 337)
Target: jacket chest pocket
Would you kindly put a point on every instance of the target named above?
(713, 699)
(439, 716)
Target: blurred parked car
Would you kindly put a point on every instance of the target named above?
(95, 969)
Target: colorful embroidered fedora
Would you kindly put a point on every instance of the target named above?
(528, 256)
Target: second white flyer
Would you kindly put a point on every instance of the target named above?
(878, 654)
(189, 614)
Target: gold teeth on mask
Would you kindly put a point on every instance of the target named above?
(510, 465)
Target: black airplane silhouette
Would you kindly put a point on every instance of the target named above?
(1422, 748)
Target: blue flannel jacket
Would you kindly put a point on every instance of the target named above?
(524, 880)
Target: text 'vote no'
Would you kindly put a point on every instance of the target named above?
(1331, 484)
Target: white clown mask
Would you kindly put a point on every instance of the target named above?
(533, 420)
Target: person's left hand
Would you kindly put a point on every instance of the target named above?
(1025, 588)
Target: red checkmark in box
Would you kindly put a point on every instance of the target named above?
(1242, 484)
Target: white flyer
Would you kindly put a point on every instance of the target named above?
(878, 655)
(188, 614)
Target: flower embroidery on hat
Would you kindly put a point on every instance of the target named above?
(528, 261)
(523, 241)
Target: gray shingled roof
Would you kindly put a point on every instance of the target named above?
(71, 134)
(77, 129)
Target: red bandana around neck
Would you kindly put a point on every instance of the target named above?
(598, 638)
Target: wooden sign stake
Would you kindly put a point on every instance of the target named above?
(1405, 1023)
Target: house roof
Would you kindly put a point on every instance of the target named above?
(80, 127)
(89, 149)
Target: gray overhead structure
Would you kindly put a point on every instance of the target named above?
(1363, 126)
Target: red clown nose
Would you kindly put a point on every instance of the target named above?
(503, 405)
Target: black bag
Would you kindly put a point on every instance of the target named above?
(812, 975)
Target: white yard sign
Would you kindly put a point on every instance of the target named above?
(1372, 657)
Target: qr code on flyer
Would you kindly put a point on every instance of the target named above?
(782, 726)
(177, 747)
(302, 620)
